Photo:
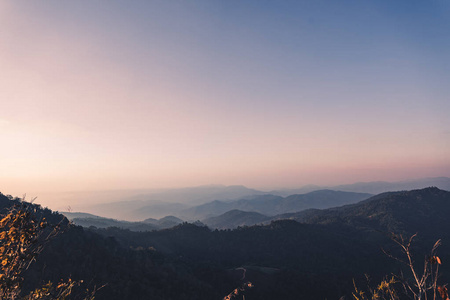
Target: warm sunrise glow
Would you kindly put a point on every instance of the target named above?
(151, 94)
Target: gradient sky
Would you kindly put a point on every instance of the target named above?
(152, 94)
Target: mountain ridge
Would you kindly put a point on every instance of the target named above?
(316, 259)
(272, 205)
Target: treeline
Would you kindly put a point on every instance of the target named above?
(318, 259)
(121, 272)
(303, 260)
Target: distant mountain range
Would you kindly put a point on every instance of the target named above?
(320, 257)
(169, 202)
(271, 205)
(311, 254)
(374, 187)
(187, 203)
(425, 211)
(382, 211)
(248, 211)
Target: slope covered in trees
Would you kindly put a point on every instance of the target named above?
(286, 259)
(123, 273)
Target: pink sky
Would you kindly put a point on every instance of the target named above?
(96, 97)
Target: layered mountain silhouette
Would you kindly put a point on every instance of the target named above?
(423, 211)
(373, 187)
(313, 254)
(137, 205)
(271, 205)
(254, 210)
(161, 203)
(229, 214)
(320, 256)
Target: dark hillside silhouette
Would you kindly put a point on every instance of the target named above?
(286, 259)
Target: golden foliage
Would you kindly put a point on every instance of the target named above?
(237, 291)
(61, 291)
(443, 292)
(22, 238)
(385, 290)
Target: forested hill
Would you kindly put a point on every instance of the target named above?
(424, 211)
(317, 259)
(7, 201)
(124, 273)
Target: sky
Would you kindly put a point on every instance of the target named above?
(104, 95)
